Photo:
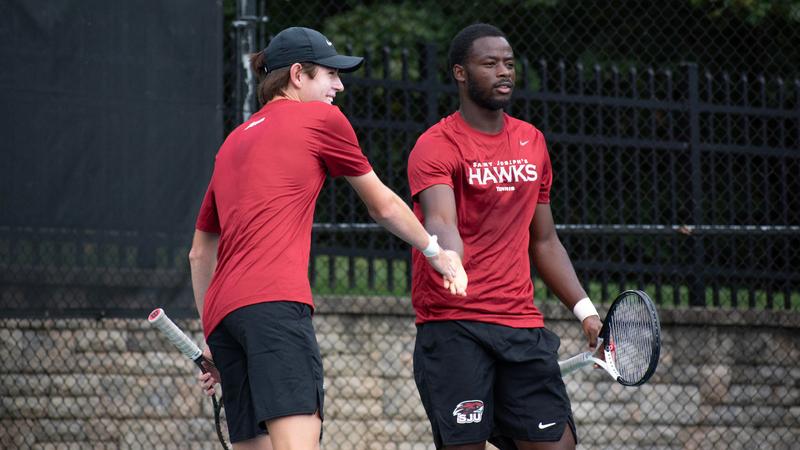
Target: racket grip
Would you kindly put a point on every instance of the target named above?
(159, 319)
(576, 362)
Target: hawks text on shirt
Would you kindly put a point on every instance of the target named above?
(497, 180)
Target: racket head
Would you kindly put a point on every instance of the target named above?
(631, 336)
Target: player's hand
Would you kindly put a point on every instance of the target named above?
(211, 377)
(458, 284)
(448, 264)
(443, 264)
(591, 329)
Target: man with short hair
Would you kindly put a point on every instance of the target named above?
(249, 257)
(485, 366)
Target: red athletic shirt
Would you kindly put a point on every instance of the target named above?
(261, 199)
(497, 179)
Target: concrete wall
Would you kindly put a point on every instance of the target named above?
(726, 380)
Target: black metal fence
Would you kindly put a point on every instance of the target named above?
(684, 183)
(679, 178)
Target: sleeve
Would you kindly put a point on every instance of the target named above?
(338, 147)
(546, 178)
(428, 165)
(208, 219)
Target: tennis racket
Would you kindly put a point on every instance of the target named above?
(629, 343)
(159, 319)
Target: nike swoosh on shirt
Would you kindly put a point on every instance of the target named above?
(523, 143)
(545, 425)
(255, 123)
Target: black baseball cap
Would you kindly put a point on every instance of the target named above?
(299, 44)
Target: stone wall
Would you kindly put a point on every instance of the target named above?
(727, 379)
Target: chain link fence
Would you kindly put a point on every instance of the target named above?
(674, 130)
(676, 177)
(726, 380)
(743, 36)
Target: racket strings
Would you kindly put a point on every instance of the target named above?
(633, 338)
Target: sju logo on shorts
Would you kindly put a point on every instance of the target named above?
(469, 411)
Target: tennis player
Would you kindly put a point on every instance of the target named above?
(485, 366)
(249, 256)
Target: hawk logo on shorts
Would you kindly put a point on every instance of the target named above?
(469, 411)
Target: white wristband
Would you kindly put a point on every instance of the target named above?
(433, 247)
(584, 308)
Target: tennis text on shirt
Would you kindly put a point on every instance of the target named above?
(497, 180)
(261, 198)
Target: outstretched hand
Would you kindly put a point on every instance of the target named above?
(210, 377)
(454, 277)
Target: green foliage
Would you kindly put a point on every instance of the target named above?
(753, 11)
(529, 3)
(406, 24)
(339, 286)
(396, 25)
(670, 295)
(719, 34)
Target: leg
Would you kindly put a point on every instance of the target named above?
(231, 361)
(289, 391)
(299, 432)
(567, 442)
(257, 443)
(480, 446)
(532, 409)
(278, 378)
(455, 378)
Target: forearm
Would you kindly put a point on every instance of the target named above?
(389, 210)
(202, 263)
(448, 235)
(392, 213)
(441, 217)
(202, 271)
(555, 268)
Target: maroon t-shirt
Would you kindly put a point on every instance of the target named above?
(497, 179)
(261, 199)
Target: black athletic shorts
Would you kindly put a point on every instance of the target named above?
(269, 362)
(485, 382)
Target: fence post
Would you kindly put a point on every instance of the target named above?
(697, 296)
(430, 84)
(245, 26)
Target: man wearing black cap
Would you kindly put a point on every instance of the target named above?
(250, 251)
